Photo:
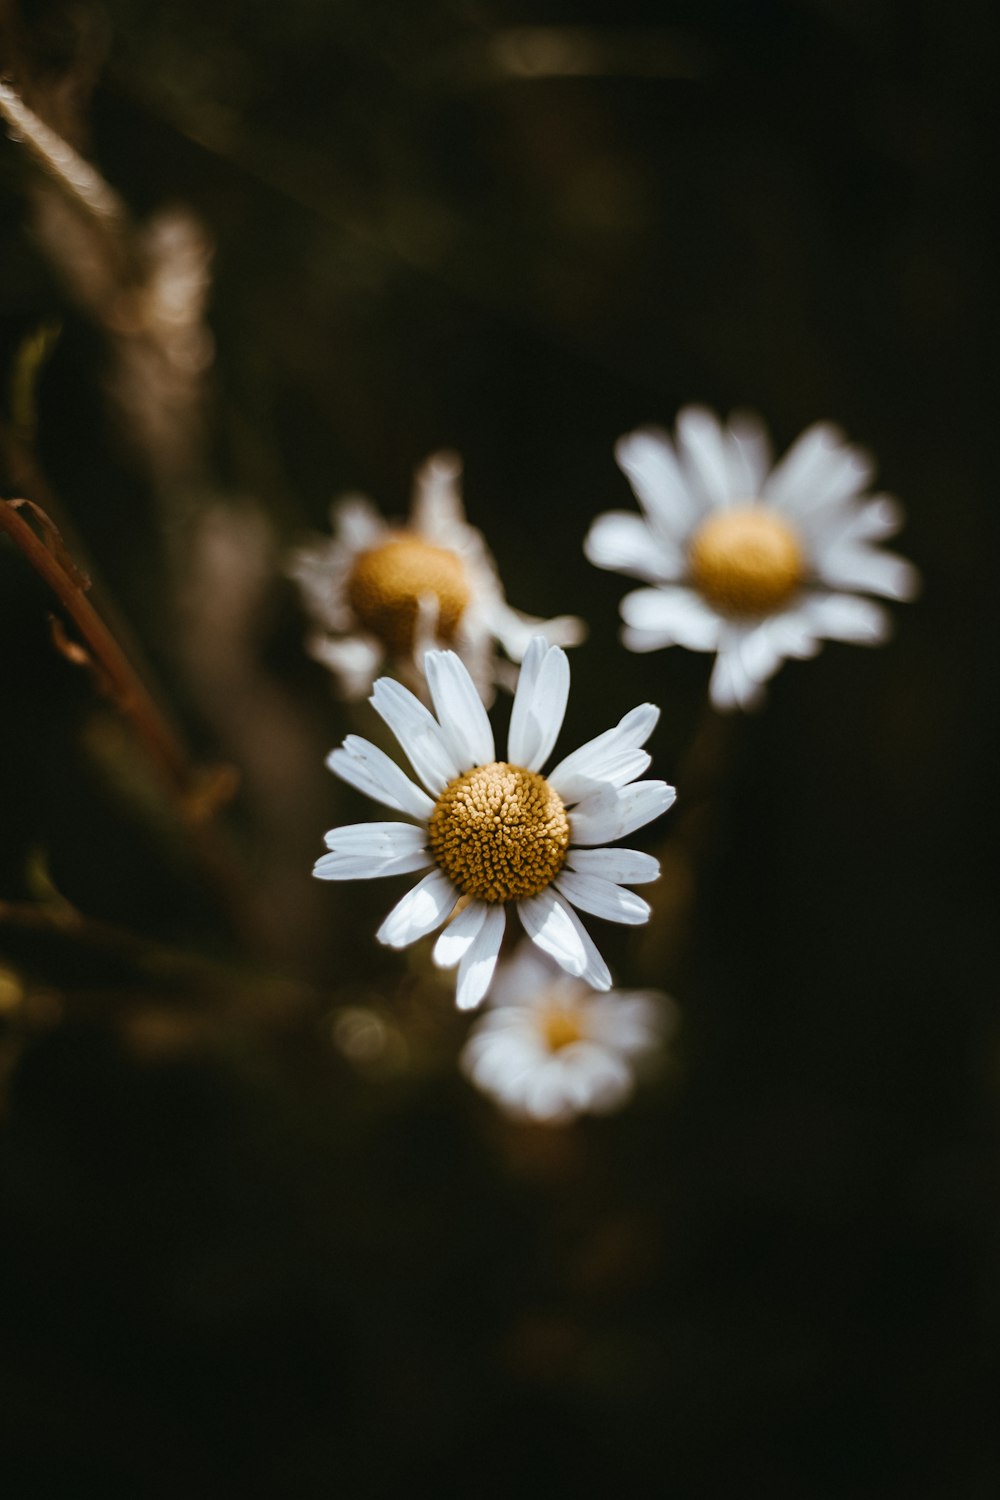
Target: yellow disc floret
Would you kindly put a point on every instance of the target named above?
(387, 583)
(560, 1028)
(746, 561)
(499, 832)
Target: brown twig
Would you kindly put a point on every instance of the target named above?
(64, 165)
(197, 792)
(50, 560)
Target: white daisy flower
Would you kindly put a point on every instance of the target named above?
(752, 562)
(497, 832)
(549, 1047)
(379, 592)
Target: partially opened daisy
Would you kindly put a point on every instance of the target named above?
(752, 562)
(494, 833)
(382, 593)
(549, 1047)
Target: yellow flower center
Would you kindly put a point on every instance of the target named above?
(387, 583)
(746, 561)
(499, 832)
(560, 1028)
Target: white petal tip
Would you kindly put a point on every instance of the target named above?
(386, 942)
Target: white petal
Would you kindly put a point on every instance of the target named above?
(420, 911)
(852, 473)
(792, 633)
(602, 899)
(367, 851)
(731, 686)
(761, 646)
(607, 757)
(623, 866)
(860, 567)
(425, 630)
(353, 660)
(849, 524)
(873, 520)
(539, 704)
(829, 491)
(437, 512)
(357, 866)
(497, 1054)
(624, 543)
(417, 731)
(549, 1094)
(661, 487)
(844, 617)
(464, 721)
(610, 1082)
(703, 447)
(523, 978)
(366, 767)
(612, 813)
(811, 458)
(552, 923)
(673, 617)
(631, 1021)
(514, 629)
(457, 937)
(475, 969)
(355, 522)
(379, 840)
(617, 771)
(748, 455)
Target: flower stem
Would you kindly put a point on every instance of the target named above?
(704, 770)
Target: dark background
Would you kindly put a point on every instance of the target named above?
(237, 1258)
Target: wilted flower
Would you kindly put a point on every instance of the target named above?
(754, 563)
(378, 592)
(549, 1047)
(492, 832)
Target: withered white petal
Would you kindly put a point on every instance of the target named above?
(380, 593)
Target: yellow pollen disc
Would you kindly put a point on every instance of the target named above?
(560, 1028)
(387, 583)
(499, 832)
(747, 561)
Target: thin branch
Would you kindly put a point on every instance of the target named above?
(74, 175)
(49, 558)
(198, 792)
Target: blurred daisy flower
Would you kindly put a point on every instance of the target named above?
(752, 562)
(549, 1047)
(494, 832)
(381, 593)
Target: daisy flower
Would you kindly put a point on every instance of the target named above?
(493, 833)
(378, 592)
(752, 562)
(549, 1047)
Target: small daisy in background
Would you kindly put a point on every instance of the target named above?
(381, 593)
(752, 562)
(497, 832)
(549, 1047)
